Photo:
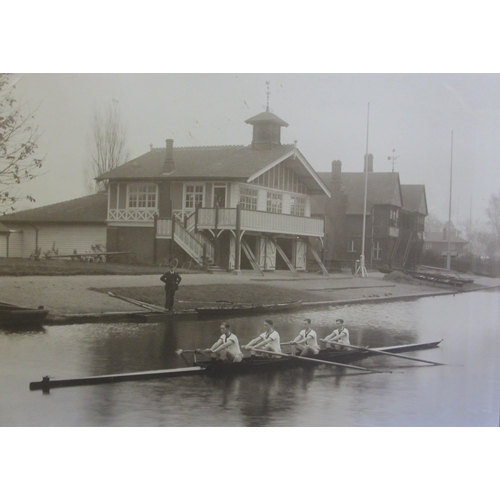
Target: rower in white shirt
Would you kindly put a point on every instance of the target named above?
(269, 340)
(340, 335)
(306, 342)
(227, 347)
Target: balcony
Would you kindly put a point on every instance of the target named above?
(262, 222)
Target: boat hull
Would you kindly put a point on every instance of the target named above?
(12, 315)
(219, 368)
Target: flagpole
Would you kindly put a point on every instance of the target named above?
(362, 268)
(448, 232)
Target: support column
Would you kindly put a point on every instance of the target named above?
(237, 246)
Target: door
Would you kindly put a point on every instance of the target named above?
(270, 255)
(300, 257)
(220, 196)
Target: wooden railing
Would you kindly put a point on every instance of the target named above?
(194, 244)
(253, 220)
(130, 215)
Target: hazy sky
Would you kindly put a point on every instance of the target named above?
(414, 114)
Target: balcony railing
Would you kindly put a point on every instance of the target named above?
(267, 222)
(131, 215)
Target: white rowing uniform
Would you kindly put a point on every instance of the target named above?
(234, 346)
(342, 335)
(312, 338)
(274, 344)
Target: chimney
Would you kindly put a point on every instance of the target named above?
(336, 170)
(169, 164)
(368, 163)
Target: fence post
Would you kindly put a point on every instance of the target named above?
(154, 236)
(172, 239)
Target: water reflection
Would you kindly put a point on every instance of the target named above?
(465, 392)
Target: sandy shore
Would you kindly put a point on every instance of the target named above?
(73, 295)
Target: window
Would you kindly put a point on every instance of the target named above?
(142, 196)
(248, 198)
(194, 195)
(393, 215)
(376, 251)
(298, 206)
(274, 202)
(350, 246)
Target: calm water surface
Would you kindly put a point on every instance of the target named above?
(465, 392)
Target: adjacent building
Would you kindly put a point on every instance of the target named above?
(69, 226)
(437, 241)
(394, 223)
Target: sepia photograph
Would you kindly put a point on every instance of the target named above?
(249, 246)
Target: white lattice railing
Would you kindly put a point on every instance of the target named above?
(128, 215)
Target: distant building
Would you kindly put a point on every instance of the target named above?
(67, 226)
(394, 221)
(437, 241)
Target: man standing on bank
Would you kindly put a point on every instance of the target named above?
(306, 342)
(340, 335)
(171, 280)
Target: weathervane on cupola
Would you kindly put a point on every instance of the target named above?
(266, 127)
(268, 93)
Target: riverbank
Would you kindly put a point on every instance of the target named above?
(84, 298)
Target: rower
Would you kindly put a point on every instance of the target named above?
(340, 335)
(306, 342)
(269, 340)
(227, 348)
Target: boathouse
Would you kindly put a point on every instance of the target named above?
(232, 207)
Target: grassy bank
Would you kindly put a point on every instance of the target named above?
(62, 267)
(190, 296)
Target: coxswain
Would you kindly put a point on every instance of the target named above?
(306, 342)
(340, 335)
(227, 348)
(269, 340)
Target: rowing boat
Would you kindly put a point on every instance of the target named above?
(13, 315)
(220, 368)
(231, 309)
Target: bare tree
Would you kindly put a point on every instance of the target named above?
(493, 213)
(432, 223)
(472, 231)
(18, 143)
(106, 145)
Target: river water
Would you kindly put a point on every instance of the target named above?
(464, 392)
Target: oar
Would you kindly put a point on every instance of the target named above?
(180, 352)
(151, 307)
(376, 351)
(313, 360)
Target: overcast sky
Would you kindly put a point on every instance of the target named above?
(413, 114)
